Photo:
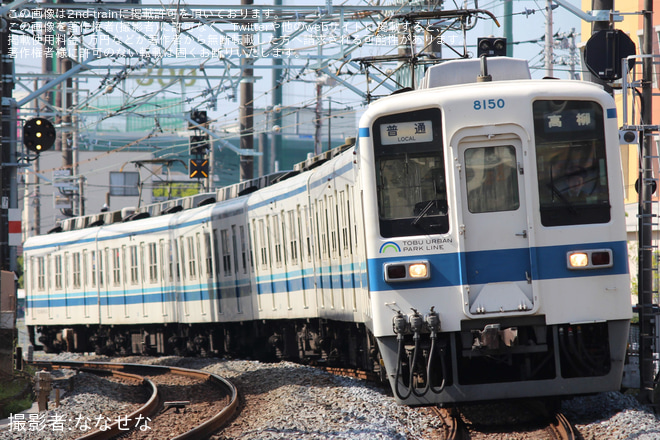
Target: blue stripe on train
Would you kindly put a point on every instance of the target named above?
(446, 270)
(503, 265)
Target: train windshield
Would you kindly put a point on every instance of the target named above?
(571, 162)
(410, 174)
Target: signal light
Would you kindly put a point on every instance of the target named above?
(198, 168)
(628, 137)
(491, 47)
(199, 116)
(199, 145)
(38, 134)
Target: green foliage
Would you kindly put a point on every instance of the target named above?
(16, 406)
(176, 190)
(19, 272)
(10, 389)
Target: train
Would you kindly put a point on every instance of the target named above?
(467, 245)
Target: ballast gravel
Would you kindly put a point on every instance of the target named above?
(288, 401)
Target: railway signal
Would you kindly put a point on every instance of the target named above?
(199, 145)
(38, 134)
(491, 47)
(199, 140)
(198, 168)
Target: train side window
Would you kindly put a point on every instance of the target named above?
(276, 240)
(153, 263)
(226, 255)
(170, 262)
(282, 227)
(182, 260)
(85, 270)
(262, 244)
(243, 248)
(93, 274)
(322, 224)
(76, 270)
(161, 257)
(308, 235)
(234, 242)
(209, 255)
(192, 268)
(293, 238)
(491, 176)
(133, 260)
(101, 267)
(410, 174)
(215, 252)
(116, 268)
(58, 272)
(198, 248)
(41, 274)
(332, 225)
(571, 162)
(343, 221)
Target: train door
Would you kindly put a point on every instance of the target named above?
(497, 260)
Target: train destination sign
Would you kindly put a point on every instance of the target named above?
(406, 132)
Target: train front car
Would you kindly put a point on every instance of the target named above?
(499, 265)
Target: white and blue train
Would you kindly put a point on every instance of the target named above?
(469, 246)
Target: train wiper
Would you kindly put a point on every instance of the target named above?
(563, 198)
(426, 209)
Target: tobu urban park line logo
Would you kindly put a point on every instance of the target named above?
(389, 245)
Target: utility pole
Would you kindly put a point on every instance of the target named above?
(549, 39)
(508, 26)
(246, 108)
(646, 307)
(317, 116)
(8, 141)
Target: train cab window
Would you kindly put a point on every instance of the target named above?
(410, 174)
(492, 179)
(571, 162)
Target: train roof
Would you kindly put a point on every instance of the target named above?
(467, 71)
(187, 203)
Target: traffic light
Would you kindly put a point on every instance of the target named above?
(491, 47)
(199, 145)
(38, 134)
(198, 168)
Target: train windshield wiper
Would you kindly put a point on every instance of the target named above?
(562, 197)
(426, 209)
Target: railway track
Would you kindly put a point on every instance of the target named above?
(553, 427)
(183, 403)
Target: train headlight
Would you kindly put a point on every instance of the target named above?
(418, 270)
(591, 259)
(578, 259)
(407, 271)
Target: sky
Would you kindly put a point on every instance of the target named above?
(529, 17)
